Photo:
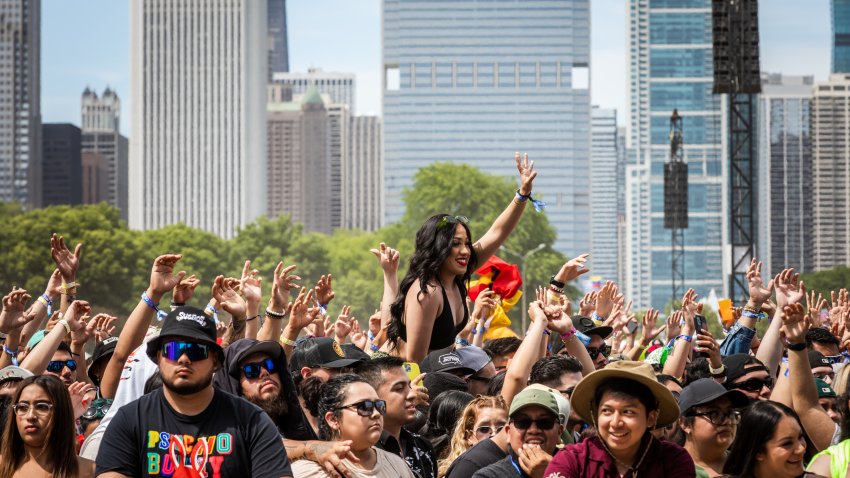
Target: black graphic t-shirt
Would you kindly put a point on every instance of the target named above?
(231, 438)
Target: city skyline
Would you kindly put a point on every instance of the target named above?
(344, 36)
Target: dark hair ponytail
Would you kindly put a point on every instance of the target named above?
(433, 246)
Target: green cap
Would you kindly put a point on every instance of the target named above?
(535, 396)
(824, 390)
(36, 338)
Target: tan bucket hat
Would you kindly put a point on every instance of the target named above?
(641, 372)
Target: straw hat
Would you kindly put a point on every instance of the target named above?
(668, 408)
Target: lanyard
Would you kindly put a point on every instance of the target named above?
(514, 463)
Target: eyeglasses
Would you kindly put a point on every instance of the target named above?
(595, 351)
(489, 430)
(56, 366)
(252, 370)
(544, 423)
(367, 407)
(41, 409)
(446, 220)
(717, 417)
(194, 351)
(753, 384)
(98, 408)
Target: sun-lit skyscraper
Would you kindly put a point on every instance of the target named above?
(840, 36)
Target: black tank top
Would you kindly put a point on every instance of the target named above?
(444, 332)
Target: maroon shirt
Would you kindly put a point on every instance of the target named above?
(589, 458)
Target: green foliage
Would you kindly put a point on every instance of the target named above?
(116, 261)
(827, 281)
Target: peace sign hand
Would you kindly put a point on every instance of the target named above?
(526, 173)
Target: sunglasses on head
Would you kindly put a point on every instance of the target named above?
(753, 384)
(365, 408)
(98, 408)
(543, 423)
(56, 366)
(446, 220)
(194, 351)
(253, 369)
(595, 351)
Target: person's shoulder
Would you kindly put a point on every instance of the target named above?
(307, 469)
(670, 450)
(499, 469)
(238, 404)
(395, 462)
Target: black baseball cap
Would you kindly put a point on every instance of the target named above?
(102, 351)
(268, 347)
(445, 360)
(189, 323)
(587, 326)
(817, 359)
(736, 366)
(706, 390)
(320, 352)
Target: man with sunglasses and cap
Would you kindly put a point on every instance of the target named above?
(534, 429)
(593, 337)
(747, 374)
(188, 426)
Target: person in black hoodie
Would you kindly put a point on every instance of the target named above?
(257, 371)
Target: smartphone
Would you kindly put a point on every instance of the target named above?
(699, 323)
(411, 369)
(631, 326)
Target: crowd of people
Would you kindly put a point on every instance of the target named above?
(227, 389)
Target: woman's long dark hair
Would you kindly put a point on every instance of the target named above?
(843, 405)
(433, 246)
(757, 427)
(60, 443)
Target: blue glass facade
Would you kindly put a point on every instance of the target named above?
(670, 63)
(841, 36)
(479, 80)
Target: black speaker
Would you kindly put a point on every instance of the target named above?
(735, 31)
(675, 195)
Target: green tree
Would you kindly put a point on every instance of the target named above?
(829, 280)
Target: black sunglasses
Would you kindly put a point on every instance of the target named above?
(98, 408)
(56, 366)
(753, 384)
(717, 417)
(367, 407)
(446, 220)
(595, 351)
(544, 423)
(253, 369)
(488, 430)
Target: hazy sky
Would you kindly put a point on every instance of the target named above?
(86, 42)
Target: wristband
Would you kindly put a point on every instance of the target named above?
(556, 283)
(159, 314)
(569, 334)
(555, 289)
(717, 371)
(275, 315)
(323, 309)
(686, 338)
(520, 197)
(583, 338)
(473, 331)
(286, 341)
(545, 332)
(64, 323)
(374, 348)
(461, 342)
(796, 347)
(752, 315)
(13, 354)
(370, 335)
(70, 285)
(597, 319)
(252, 318)
(3, 336)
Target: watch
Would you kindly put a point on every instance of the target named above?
(796, 347)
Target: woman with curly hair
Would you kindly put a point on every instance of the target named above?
(430, 307)
(350, 410)
(39, 437)
(482, 418)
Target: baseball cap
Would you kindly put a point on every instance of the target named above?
(320, 352)
(824, 390)
(563, 403)
(587, 326)
(736, 366)
(534, 396)
(102, 351)
(706, 390)
(268, 347)
(445, 360)
(473, 357)
(190, 323)
(439, 382)
(817, 359)
(12, 372)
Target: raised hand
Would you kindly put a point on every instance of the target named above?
(163, 278)
(536, 312)
(78, 392)
(324, 290)
(573, 268)
(84, 333)
(558, 320)
(795, 323)
(251, 284)
(103, 326)
(484, 303)
(54, 284)
(282, 284)
(605, 299)
(674, 324)
(13, 316)
(387, 257)
(840, 305)
(526, 174)
(789, 288)
(74, 314)
(648, 332)
(226, 292)
(66, 261)
(185, 290)
(299, 318)
(343, 325)
(358, 337)
(759, 294)
(375, 323)
(587, 305)
(814, 304)
(705, 343)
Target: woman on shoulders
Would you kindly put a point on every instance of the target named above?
(349, 409)
(39, 437)
(430, 308)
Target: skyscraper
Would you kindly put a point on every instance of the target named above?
(198, 88)
(20, 101)
(103, 142)
(361, 172)
(474, 82)
(278, 44)
(840, 36)
(830, 129)
(340, 87)
(62, 166)
(604, 174)
(670, 67)
(785, 174)
(338, 124)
